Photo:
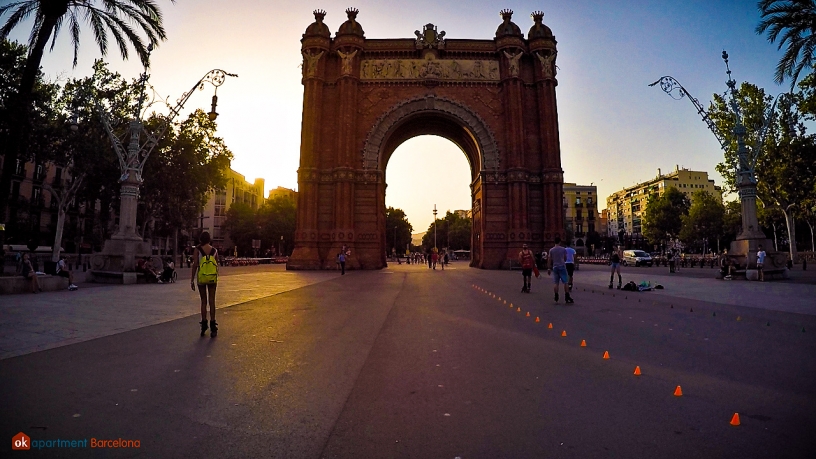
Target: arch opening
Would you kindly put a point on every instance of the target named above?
(423, 171)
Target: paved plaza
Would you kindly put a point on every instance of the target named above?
(411, 362)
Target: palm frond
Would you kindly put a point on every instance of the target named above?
(74, 34)
(22, 13)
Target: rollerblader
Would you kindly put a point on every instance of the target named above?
(526, 260)
(615, 262)
(205, 271)
(570, 264)
(558, 269)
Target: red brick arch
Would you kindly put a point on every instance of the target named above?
(495, 99)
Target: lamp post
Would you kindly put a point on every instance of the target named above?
(133, 156)
(434, 212)
(395, 242)
(751, 235)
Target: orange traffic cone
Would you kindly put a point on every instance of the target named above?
(528, 313)
(637, 371)
(511, 305)
(606, 355)
(735, 420)
(550, 325)
(678, 392)
(583, 343)
(518, 309)
(538, 320)
(505, 301)
(564, 333)
(500, 299)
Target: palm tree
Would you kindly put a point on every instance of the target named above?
(795, 20)
(114, 15)
(121, 17)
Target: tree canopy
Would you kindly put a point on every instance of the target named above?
(664, 214)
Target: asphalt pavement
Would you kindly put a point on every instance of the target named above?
(409, 362)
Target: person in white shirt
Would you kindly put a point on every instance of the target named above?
(63, 271)
(570, 263)
(761, 261)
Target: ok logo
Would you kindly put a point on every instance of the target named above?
(20, 441)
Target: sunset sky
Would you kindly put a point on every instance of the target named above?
(615, 130)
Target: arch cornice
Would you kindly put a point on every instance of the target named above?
(385, 124)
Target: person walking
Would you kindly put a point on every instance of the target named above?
(558, 269)
(570, 263)
(434, 258)
(761, 261)
(205, 273)
(615, 262)
(341, 258)
(526, 260)
(442, 257)
(672, 261)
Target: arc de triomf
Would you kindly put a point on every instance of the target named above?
(495, 99)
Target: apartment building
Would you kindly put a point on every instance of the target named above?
(581, 211)
(627, 207)
(32, 210)
(238, 189)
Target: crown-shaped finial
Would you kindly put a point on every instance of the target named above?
(352, 13)
(537, 16)
(506, 14)
(319, 15)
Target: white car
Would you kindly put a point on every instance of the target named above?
(637, 258)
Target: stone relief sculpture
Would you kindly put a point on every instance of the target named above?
(547, 64)
(514, 63)
(347, 59)
(310, 61)
(441, 69)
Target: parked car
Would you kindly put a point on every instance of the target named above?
(637, 258)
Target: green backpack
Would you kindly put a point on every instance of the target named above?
(207, 268)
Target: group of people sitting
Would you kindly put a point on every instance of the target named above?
(145, 266)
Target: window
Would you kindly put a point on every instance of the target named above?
(36, 195)
(20, 168)
(58, 176)
(589, 201)
(578, 201)
(15, 190)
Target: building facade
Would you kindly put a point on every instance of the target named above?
(238, 189)
(627, 207)
(32, 210)
(581, 211)
(281, 191)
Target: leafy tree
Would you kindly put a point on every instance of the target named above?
(786, 165)
(277, 218)
(116, 16)
(453, 232)
(732, 221)
(704, 221)
(241, 225)
(795, 20)
(395, 218)
(182, 172)
(663, 218)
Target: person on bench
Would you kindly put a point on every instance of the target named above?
(29, 273)
(63, 271)
(145, 267)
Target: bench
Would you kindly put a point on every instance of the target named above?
(115, 277)
(19, 284)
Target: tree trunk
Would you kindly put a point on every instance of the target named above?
(790, 221)
(812, 246)
(776, 244)
(55, 252)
